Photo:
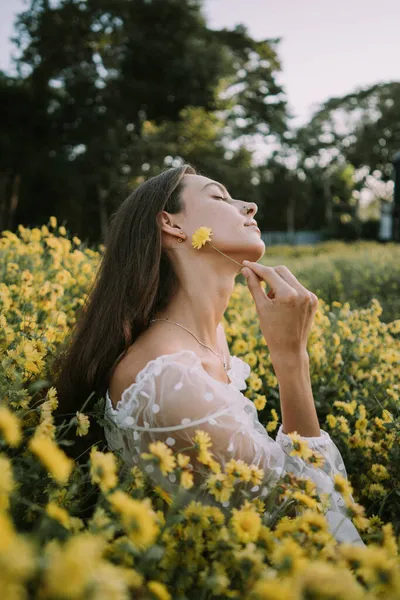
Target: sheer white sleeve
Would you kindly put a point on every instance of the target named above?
(174, 396)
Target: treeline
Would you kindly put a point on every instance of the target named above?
(109, 92)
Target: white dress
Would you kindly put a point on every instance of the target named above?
(174, 395)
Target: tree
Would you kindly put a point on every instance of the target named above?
(100, 69)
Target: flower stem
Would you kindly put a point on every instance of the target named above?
(238, 263)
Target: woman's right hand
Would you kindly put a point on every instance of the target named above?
(286, 313)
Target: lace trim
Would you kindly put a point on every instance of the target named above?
(239, 372)
(129, 401)
(323, 440)
(209, 419)
(154, 365)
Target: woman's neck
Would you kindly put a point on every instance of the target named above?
(200, 308)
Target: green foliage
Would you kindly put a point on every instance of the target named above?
(346, 273)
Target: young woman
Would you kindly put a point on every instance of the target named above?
(150, 340)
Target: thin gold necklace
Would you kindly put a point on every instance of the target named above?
(221, 358)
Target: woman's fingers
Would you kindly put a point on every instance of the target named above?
(254, 285)
(291, 279)
(279, 286)
(274, 276)
(295, 283)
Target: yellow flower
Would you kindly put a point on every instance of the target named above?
(377, 569)
(137, 517)
(83, 424)
(256, 475)
(317, 579)
(272, 425)
(10, 426)
(260, 401)
(53, 222)
(288, 556)
(7, 531)
(300, 446)
(313, 522)
(375, 490)
(255, 383)
(246, 524)
(166, 459)
(201, 236)
(46, 427)
(237, 468)
(62, 230)
(379, 472)
(331, 420)
(71, 567)
(46, 409)
(342, 485)
(239, 346)
(251, 359)
(220, 486)
(305, 500)
(7, 483)
(316, 459)
(163, 494)
(271, 589)
(183, 460)
(210, 462)
(202, 440)
(103, 469)
(389, 539)
(186, 480)
(159, 590)
(52, 457)
(59, 514)
(356, 512)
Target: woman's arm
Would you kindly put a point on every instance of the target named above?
(297, 401)
(294, 380)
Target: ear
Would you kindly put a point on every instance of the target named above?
(167, 224)
(164, 218)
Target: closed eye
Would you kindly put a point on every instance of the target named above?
(221, 198)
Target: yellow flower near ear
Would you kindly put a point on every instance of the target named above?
(201, 236)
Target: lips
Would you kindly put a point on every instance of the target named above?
(252, 224)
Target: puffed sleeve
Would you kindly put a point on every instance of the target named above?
(174, 400)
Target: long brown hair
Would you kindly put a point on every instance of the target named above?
(135, 280)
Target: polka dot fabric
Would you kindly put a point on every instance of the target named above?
(173, 396)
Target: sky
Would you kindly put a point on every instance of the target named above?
(327, 48)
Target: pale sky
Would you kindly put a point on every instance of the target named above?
(328, 48)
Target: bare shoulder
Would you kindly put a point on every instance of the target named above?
(148, 347)
(136, 359)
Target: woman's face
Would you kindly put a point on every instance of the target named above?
(209, 204)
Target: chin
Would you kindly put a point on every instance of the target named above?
(255, 251)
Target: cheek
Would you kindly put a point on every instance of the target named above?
(222, 219)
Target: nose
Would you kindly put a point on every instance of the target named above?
(252, 208)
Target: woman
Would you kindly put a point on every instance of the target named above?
(151, 339)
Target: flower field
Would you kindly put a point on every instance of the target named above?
(340, 272)
(138, 543)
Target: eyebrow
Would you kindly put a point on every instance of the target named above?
(221, 187)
